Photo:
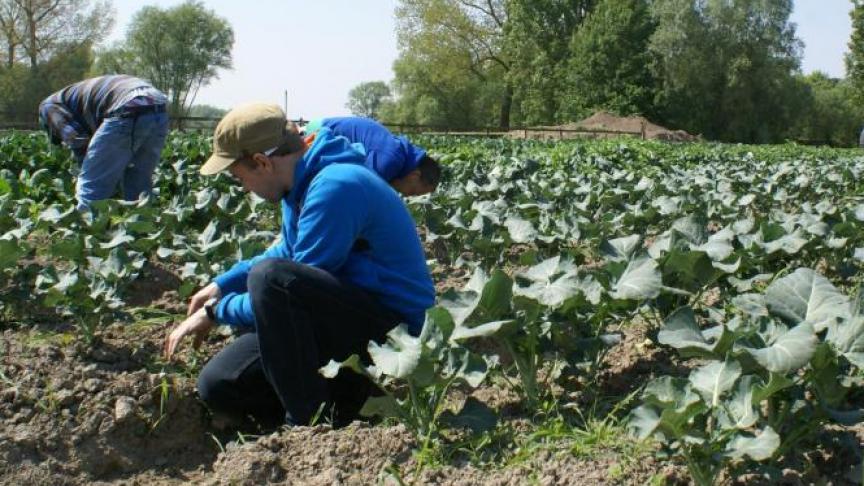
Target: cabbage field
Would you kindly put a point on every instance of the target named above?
(609, 312)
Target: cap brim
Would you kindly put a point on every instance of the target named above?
(216, 164)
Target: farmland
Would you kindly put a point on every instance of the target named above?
(612, 312)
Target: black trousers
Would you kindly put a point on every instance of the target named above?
(304, 317)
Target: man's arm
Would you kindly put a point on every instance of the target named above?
(234, 308)
(234, 280)
(62, 127)
(329, 223)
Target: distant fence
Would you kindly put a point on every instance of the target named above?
(12, 121)
(543, 133)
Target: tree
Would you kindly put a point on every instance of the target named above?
(727, 67)
(609, 65)
(22, 88)
(10, 26)
(538, 37)
(451, 53)
(831, 116)
(179, 50)
(366, 99)
(46, 27)
(855, 56)
(207, 111)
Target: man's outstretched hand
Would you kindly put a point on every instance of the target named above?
(198, 324)
(202, 296)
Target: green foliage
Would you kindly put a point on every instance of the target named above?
(727, 67)
(772, 377)
(207, 111)
(855, 56)
(610, 62)
(452, 66)
(178, 49)
(366, 99)
(832, 116)
(564, 244)
(538, 35)
(728, 70)
(426, 367)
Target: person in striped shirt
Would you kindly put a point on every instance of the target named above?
(116, 127)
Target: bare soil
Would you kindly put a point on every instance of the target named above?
(115, 413)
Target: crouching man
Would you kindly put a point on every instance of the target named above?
(348, 268)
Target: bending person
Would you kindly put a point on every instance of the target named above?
(402, 164)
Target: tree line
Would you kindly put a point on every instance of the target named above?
(726, 69)
(48, 44)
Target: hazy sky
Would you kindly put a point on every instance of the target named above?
(318, 50)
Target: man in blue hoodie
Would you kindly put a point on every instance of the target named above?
(406, 167)
(348, 268)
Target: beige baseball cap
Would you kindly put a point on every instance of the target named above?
(246, 130)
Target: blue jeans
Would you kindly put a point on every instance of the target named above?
(126, 149)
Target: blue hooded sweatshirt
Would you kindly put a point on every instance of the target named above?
(336, 201)
(390, 156)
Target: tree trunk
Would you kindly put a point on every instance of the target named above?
(506, 105)
(32, 49)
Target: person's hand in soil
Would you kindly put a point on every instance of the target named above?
(197, 324)
(202, 296)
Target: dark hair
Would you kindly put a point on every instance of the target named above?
(293, 143)
(430, 171)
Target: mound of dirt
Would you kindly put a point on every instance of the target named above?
(606, 125)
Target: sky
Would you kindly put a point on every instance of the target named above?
(318, 50)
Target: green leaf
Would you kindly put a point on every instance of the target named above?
(463, 332)
(331, 369)
(847, 337)
(641, 280)
(118, 238)
(789, 351)
(10, 251)
(71, 247)
(752, 304)
(758, 448)
(399, 356)
(715, 379)
(620, 249)
(689, 270)
(438, 320)
(739, 410)
(807, 296)
(643, 421)
(776, 383)
(520, 230)
(554, 293)
(790, 244)
(546, 270)
(719, 245)
(496, 296)
(383, 406)
(681, 331)
(483, 298)
(468, 367)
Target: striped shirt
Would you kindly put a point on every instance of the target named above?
(73, 114)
